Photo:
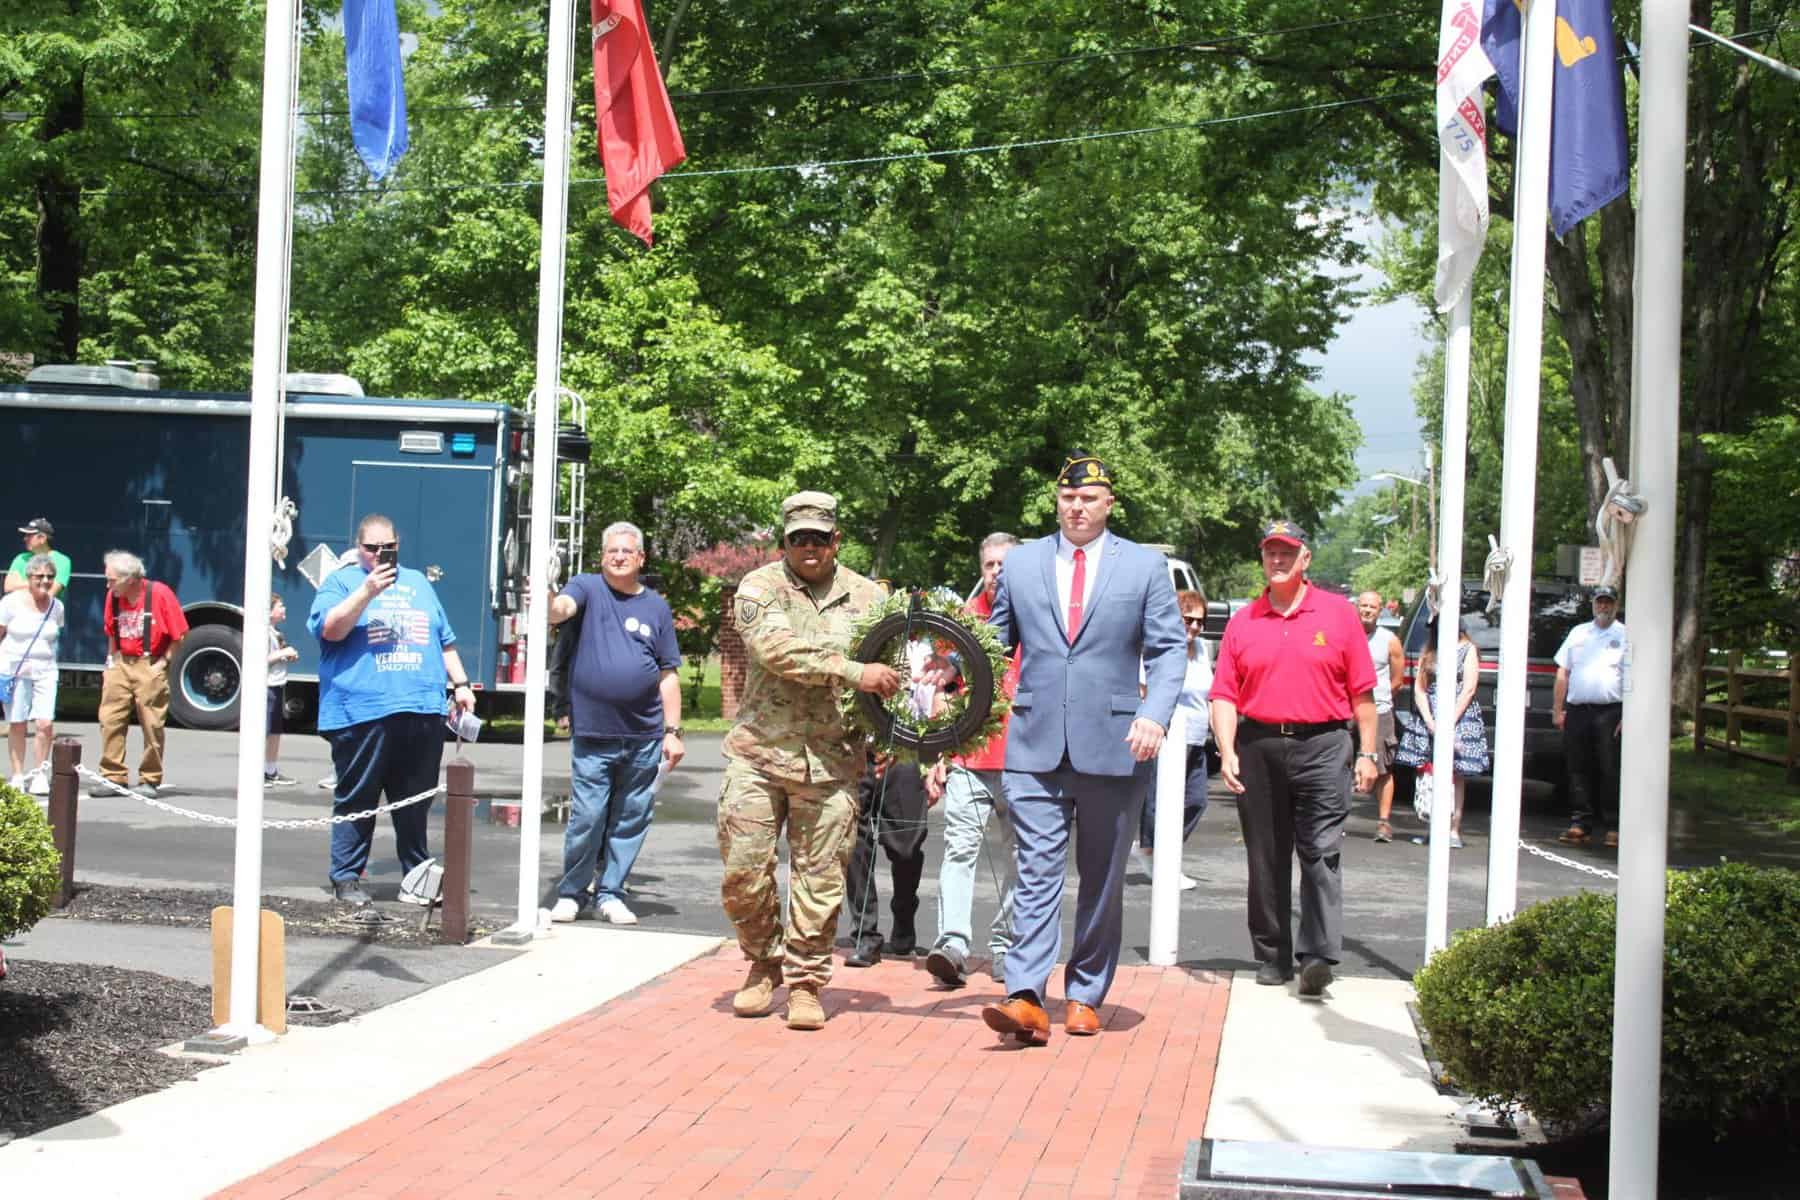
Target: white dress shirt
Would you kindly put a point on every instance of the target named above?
(1065, 572)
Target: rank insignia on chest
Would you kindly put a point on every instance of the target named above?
(747, 612)
(1319, 638)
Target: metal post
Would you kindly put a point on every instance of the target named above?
(559, 71)
(268, 361)
(65, 800)
(1518, 485)
(459, 819)
(1165, 870)
(1449, 554)
(1650, 586)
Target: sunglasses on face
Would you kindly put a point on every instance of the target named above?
(1189, 619)
(378, 547)
(809, 537)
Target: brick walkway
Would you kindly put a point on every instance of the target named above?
(905, 1093)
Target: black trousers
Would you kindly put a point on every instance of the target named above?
(891, 812)
(1591, 751)
(1297, 795)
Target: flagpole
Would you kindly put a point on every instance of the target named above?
(275, 188)
(1518, 482)
(559, 76)
(1449, 554)
(1650, 587)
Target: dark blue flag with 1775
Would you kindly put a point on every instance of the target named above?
(1590, 162)
(377, 95)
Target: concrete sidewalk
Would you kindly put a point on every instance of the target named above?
(605, 1062)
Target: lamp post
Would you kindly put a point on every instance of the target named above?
(1429, 483)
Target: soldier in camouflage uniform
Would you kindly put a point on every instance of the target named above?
(791, 760)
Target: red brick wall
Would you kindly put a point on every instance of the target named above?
(734, 661)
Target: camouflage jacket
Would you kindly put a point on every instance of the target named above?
(789, 726)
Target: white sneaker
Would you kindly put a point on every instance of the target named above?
(17, 781)
(565, 911)
(328, 784)
(39, 784)
(614, 912)
(1189, 883)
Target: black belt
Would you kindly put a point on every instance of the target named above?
(1292, 728)
(1596, 704)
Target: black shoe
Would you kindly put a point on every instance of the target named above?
(1314, 977)
(948, 966)
(350, 892)
(902, 947)
(866, 954)
(1273, 974)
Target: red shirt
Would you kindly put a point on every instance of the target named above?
(126, 625)
(992, 755)
(1307, 666)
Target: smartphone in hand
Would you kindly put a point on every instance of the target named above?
(388, 557)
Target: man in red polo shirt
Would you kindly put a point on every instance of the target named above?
(1293, 670)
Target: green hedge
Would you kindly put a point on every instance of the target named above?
(1521, 1013)
(29, 874)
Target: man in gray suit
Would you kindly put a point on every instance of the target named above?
(1087, 607)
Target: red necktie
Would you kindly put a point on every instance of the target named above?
(1077, 585)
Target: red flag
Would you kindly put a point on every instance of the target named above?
(638, 137)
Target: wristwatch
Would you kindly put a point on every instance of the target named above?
(672, 729)
(1370, 755)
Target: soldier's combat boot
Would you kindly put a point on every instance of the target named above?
(758, 992)
(804, 1009)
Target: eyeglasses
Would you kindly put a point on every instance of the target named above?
(51, 578)
(808, 537)
(1192, 620)
(378, 547)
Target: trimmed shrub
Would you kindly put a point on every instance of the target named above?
(1521, 1014)
(29, 864)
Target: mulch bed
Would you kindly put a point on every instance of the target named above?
(302, 918)
(76, 1039)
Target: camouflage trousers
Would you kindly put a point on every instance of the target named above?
(820, 819)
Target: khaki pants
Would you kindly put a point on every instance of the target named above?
(821, 830)
(134, 684)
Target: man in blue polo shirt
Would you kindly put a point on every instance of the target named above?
(625, 714)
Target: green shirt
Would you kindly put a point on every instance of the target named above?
(61, 560)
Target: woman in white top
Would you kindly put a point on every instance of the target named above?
(1195, 690)
(30, 621)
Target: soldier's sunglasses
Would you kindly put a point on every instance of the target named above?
(808, 537)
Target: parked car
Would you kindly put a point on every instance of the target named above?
(1556, 607)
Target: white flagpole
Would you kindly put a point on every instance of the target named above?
(268, 361)
(559, 75)
(1518, 482)
(1650, 586)
(1462, 231)
(1449, 550)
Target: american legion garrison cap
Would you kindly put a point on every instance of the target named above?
(1082, 469)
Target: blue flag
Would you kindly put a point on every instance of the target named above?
(1590, 161)
(377, 93)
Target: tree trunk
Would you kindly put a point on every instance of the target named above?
(1578, 313)
(887, 531)
(59, 249)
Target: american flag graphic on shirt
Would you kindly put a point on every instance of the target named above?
(400, 627)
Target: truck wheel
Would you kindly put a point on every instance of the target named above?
(203, 681)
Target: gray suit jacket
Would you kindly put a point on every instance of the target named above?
(1080, 700)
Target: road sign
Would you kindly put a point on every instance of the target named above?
(1593, 562)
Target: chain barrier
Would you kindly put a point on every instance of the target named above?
(231, 822)
(1560, 861)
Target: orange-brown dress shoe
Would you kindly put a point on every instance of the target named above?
(1020, 1017)
(1080, 1020)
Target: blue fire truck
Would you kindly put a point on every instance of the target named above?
(116, 462)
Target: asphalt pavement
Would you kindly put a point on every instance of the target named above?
(675, 886)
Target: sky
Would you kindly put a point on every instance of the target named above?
(1372, 361)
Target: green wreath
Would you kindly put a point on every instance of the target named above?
(970, 716)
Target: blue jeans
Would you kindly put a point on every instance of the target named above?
(1193, 800)
(970, 798)
(609, 814)
(394, 756)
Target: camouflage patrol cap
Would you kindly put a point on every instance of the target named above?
(809, 510)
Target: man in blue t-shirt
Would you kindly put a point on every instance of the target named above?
(386, 650)
(625, 714)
